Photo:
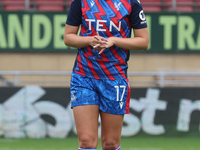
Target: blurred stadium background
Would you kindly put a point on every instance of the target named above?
(35, 68)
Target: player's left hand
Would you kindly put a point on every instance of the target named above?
(110, 42)
(102, 43)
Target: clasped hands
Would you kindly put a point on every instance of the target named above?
(100, 43)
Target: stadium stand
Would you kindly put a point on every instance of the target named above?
(40, 5)
(14, 5)
(62, 5)
(198, 5)
(49, 5)
(152, 5)
(180, 5)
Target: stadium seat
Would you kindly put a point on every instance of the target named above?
(49, 5)
(198, 5)
(69, 3)
(14, 5)
(152, 5)
(181, 5)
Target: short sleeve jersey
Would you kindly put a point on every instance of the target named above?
(108, 18)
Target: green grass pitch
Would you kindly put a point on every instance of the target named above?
(134, 143)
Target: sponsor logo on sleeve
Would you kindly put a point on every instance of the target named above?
(142, 17)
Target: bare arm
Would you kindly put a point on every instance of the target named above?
(72, 39)
(139, 42)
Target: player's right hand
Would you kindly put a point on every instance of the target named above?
(100, 43)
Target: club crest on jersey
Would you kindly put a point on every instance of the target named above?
(100, 23)
(117, 5)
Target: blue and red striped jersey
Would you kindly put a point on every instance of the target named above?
(108, 18)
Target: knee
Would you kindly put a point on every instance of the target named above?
(88, 141)
(109, 145)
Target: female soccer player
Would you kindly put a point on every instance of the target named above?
(99, 84)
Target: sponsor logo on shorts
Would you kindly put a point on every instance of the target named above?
(121, 104)
(73, 98)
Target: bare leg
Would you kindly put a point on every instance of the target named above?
(111, 126)
(86, 120)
